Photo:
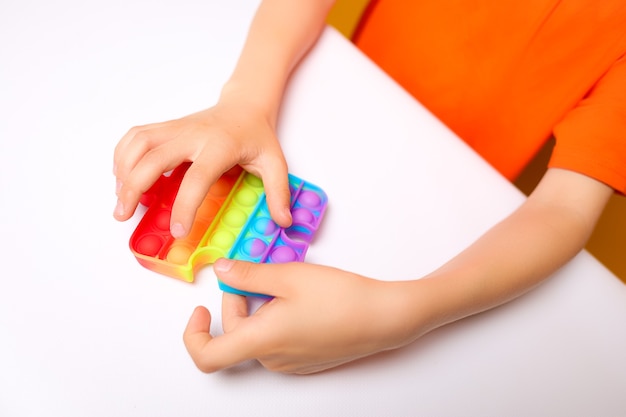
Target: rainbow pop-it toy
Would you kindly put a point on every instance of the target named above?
(232, 222)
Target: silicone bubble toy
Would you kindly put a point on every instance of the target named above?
(232, 222)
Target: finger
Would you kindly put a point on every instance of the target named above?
(135, 143)
(234, 310)
(128, 136)
(274, 174)
(193, 189)
(269, 279)
(209, 353)
(118, 152)
(153, 164)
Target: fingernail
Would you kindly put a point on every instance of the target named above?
(177, 230)
(118, 186)
(119, 209)
(223, 265)
(287, 213)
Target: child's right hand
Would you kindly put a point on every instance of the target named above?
(214, 140)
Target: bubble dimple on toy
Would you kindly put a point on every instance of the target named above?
(283, 254)
(233, 222)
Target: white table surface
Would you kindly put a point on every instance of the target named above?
(86, 331)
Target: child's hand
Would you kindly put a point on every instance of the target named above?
(214, 140)
(319, 318)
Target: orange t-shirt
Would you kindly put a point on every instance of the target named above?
(508, 75)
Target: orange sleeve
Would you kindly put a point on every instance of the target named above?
(591, 138)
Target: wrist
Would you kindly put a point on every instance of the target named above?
(426, 304)
(409, 310)
(251, 98)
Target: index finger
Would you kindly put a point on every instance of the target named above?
(119, 166)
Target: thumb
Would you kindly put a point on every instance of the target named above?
(196, 336)
(210, 353)
(251, 278)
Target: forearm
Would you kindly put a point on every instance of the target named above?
(511, 258)
(281, 33)
(518, 253)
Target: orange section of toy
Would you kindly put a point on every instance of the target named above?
(153, 245)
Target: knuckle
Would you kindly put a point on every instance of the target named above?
(142, 135)
(196, 174)
(131, 185)
(122, 168)
(154, 158)
(133, 131)
(129, 193)
(245, 271)
(206, 366)
(134, 186)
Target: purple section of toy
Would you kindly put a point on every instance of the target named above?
(261, 240)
